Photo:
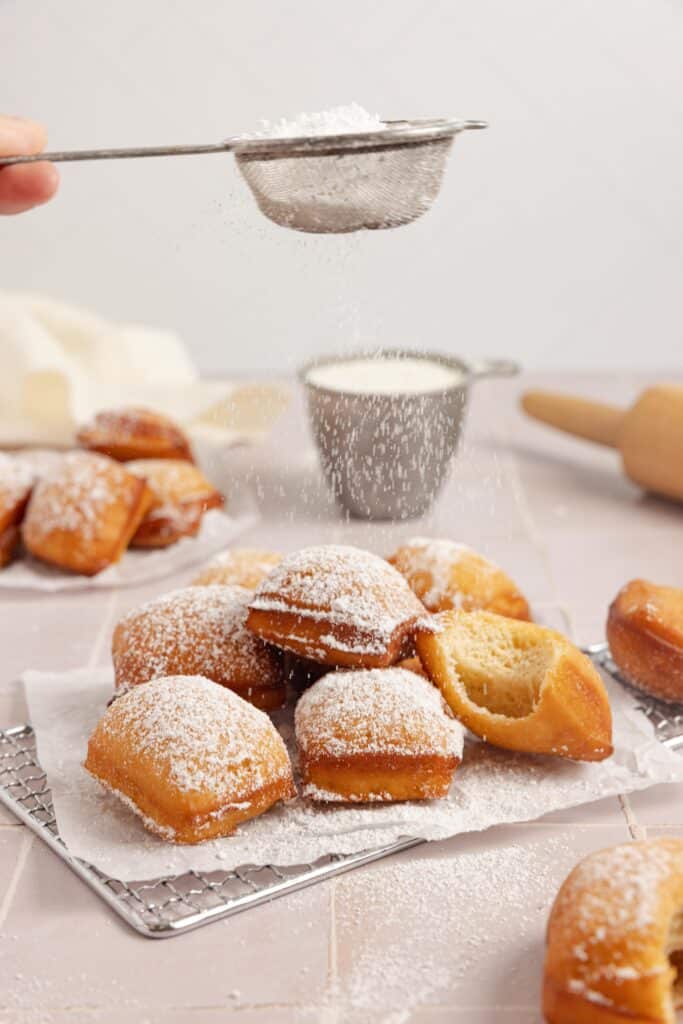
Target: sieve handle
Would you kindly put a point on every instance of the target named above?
(493, 368)
(62, 156)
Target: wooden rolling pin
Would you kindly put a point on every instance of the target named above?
(649, 435)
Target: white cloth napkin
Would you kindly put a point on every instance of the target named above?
(59, 365)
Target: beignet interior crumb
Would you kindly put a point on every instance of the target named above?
(500, 669)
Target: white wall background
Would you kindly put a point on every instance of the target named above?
(557, 237)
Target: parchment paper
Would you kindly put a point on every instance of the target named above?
(491, 787)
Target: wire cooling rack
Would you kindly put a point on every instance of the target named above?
(667, 719)
(162, 907)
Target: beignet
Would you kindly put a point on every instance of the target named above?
(336, 605)
(16, 483)
(376, 735)
(615, 938)
(82, 516)
(198, 631)
(446, 575)
(191, 758)
(182, 495)
(518, 685)
(134, 433)
(645, 636)
(244, 567)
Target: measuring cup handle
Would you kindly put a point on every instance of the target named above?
(493, 368)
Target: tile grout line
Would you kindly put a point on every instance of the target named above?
(637, 830)
(102, 631)
(329, 1009)
(27, 842)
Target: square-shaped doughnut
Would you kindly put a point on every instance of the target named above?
(182, 495)
(243, 567)
(446, 575)
(16, 483)
(82, 516)
(134, 433)
(376, 735)
(198, 631)
(336, 605)
(191, 758)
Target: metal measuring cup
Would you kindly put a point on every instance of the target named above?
(386, 455)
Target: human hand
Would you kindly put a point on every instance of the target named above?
(23, 186)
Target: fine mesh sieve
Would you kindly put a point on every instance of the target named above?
(326, 183)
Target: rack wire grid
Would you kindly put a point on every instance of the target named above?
(163, 907)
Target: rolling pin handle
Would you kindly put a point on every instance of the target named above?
(594, 421)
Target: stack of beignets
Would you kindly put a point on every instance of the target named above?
(181, 496)
(336, 605)
(133, 433)
(447, 575)
(191, 758)
(198, 631)
(82, 515)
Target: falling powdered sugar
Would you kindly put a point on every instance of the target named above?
(422, 555)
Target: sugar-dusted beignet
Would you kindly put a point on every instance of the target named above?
(446, 575)
(336, 605)
(245, 567)
(182, 495)
(39, 462)
(193, 759)
(198, 631)
(615, 938)
(16, 483)
(134, 433)
(376, 735)
(645, 635)
(518, 685)
(82, 516)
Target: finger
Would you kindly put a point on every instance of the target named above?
(19, 137)
(23, 186)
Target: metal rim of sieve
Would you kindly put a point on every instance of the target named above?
(395, 134)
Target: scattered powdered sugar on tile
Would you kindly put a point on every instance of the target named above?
(209, 621)
(344, 586)
(75, 495)
(16, 480)
(199, 736)
(336, 121)
(490, 787)
(377, 711)
(416, 907)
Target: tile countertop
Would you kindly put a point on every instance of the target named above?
(418, 937)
